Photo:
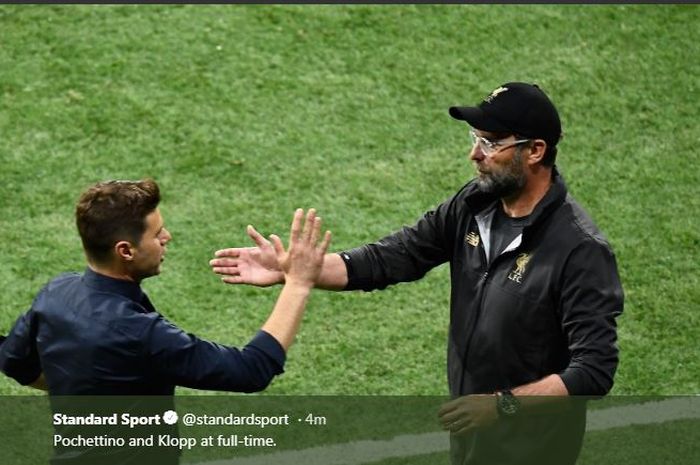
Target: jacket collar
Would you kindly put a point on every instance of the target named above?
(104, 283)
(479, 201)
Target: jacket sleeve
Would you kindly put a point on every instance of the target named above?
(406, 255)
(592, 298)
(19, 357)
(186, 360)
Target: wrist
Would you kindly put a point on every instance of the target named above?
(297, 285)
(507, 405)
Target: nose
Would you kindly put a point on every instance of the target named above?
(166, 236)
(476, 154)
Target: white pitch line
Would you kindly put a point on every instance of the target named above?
(409, 445)
(350, 453)
(681, 408)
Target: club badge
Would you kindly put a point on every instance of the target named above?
(520, 264)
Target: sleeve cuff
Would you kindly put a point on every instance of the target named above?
(359, 276)
(580, 383)
(264, 342)
(347, 259)
(570, 381)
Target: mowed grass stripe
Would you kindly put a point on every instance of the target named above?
(243, 113)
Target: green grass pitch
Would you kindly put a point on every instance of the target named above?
(243, 113)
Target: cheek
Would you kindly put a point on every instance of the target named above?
(156, 247)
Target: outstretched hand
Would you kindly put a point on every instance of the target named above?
(258, 266)
(301, 263)
(249, 265)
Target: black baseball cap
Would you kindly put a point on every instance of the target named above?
(514, 107)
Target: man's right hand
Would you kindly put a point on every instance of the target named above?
(259, 266)
(302, 262)
(249, 265)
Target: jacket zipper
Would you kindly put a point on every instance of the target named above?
(481, 290)
(482, 294)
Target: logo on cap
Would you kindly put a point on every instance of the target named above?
(494, 94)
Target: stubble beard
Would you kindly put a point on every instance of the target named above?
(506, 182)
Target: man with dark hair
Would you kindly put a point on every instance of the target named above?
(98, 333)
(535, 287)
(115, 210)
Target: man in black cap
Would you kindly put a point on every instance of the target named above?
(535, 287)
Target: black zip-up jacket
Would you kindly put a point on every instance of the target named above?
(546, 305)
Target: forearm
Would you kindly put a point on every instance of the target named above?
(551, 385)
(334, 274)
(333, 277)
(544, 396)
(283, 323)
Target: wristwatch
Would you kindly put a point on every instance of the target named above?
(507, 404)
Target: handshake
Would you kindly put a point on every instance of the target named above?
(298, 267)
(268, 263)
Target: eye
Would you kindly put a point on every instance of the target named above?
(490, 144)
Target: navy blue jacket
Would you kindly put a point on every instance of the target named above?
(92, 334)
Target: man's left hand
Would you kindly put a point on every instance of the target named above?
(464, 414)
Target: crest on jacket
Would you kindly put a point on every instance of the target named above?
(517, 272)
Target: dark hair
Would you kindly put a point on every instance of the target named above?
(111, 211)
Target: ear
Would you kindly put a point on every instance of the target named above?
(124, 250)
(535, 152)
